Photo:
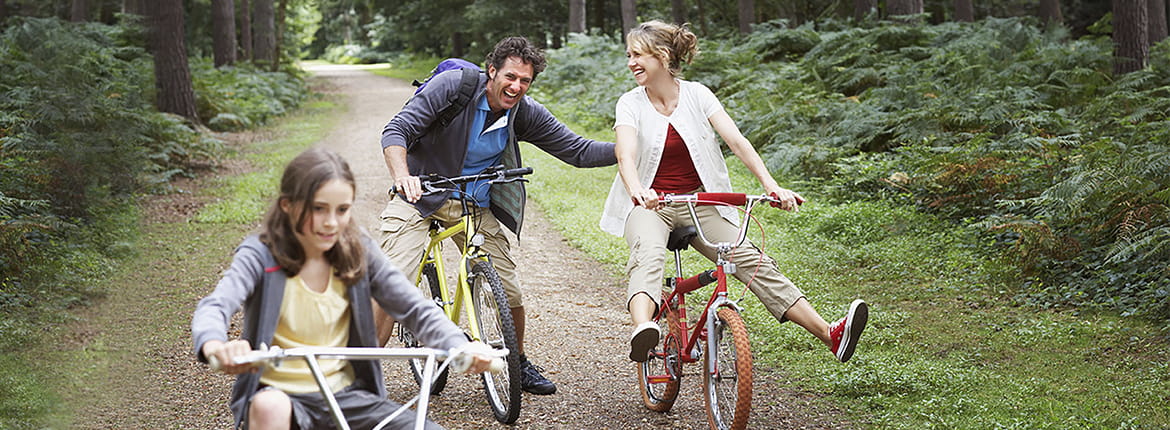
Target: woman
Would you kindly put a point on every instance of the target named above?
(665, 145)
(307, 280)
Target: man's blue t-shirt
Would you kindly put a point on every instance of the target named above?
(484, 150)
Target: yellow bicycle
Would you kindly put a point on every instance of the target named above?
(478, 296)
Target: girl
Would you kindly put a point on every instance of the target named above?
(307, 280)
(665, 145)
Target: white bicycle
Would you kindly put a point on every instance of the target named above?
(457, 360)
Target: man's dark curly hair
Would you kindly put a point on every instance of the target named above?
(517, 46)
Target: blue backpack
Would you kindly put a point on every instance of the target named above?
(460, 98)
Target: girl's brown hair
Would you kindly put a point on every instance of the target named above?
(673, 44)
(303, 176)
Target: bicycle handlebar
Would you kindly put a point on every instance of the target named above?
(708, 199)
(748, 201)
(436, 183)
(459, 359)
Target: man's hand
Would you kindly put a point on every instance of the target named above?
(409, 187)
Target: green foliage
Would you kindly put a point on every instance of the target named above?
(585, 79)
(243, 96)
(998, 124)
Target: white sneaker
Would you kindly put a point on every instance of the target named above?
(644, 339)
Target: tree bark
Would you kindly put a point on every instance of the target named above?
(577, 16)
(678, 11)
(79, 12)
(223, 29)
(862, 8)
(747, 15)
(965, 11)
(1157, 20)
(903, 7)
(1050, 13)
(172, 76)
(702, 16)
(245, 30)
(1131, 41)
(132, 7)
(595, 18)
(629, 16)
(263, 32)
(278, 35)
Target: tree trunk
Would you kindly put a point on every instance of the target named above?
(132, 7)
(171, 75)
(678, 11)
(457, 44)
(1050, 13)
(263, 32)
(964, 11)
(747, 15)
(702, 16)
(223, 31)
(577, 16)
(1131, 42)
(3, 13)
(80, 11)
(629, 16)
(1157, 20)
(863, 8)
(595, 18)
(278, 36)
(903, 7)
(245, 30)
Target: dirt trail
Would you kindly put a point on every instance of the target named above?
(577, 327)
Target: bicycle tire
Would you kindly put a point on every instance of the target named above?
(428, 285)
(660, 396)
(497, 330)
(728, 393)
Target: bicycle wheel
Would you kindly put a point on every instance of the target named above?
(428, 285)
(728, 391)
(497, 330)
(660, 376)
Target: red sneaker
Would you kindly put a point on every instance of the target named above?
(846, 331)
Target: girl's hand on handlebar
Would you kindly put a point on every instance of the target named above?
(481, 360)
(225, 354)
(409, 187)
(788, 200)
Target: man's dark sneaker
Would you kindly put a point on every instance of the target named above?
(532, 381)
(846, 331)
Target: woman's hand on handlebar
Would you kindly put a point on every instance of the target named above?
(788, 199)
(226, 353)
(409, 187)
(647, 198)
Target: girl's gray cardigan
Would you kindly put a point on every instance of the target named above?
(255, 284)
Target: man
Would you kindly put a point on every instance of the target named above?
(486, 133)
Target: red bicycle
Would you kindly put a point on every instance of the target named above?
(719, 335)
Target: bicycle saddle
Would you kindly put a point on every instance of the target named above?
(681, 237)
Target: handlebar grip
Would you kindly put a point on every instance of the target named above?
(213, 363)
(463, 361)
(519, 171)
(735, 199)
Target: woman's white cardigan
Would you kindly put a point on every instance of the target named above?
(690, 118)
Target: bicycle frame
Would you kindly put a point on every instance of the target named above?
(275, 355)
(461, 298)
(679, 287)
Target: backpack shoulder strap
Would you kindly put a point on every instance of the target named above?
(459, 100)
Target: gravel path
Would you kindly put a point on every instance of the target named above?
(577, 327)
